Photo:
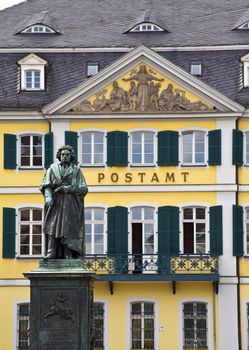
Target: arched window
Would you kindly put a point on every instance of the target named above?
(38, 29)
(147, 27)
(195, 326)
(95, 237)
(98, 325)
(142, 148)
(30, 237)
(142, 321)
(31, 151)
(92, 148)
(194, 224)
(194, 145)
(23, 326)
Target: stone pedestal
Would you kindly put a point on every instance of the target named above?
(61, 306)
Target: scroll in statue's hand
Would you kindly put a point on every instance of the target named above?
(48, 200)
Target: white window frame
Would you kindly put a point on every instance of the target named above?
(156, 320)
(143, 164)
(95, 130)
(15, 318)
(209, 320)
(147, 27)
(106, 330)
(91, 65)
(207, 235)
(18, 221)
(30, 133)
(245, 221)
(193, 163)
(245, 132)
(42, 29)
(192, 67)
(104, 208)
(32, 62)
(245, 325)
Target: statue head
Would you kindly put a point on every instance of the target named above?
(68, 149)
(143, 68)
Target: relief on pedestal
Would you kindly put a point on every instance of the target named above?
(144, 90)
(59, 309)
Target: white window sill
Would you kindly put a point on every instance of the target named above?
(198, 165)
(92, 165)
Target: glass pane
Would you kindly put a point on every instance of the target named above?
(86, 138)
(25, 150)
(136, 158)
(148, 213)
(99, 228)
(200, 238)
(136, 214)
(149, 308)
(25, 161)
(37, 229)
(148, 158)
(199, 157)
(36, 250)
(37, 239)
(99, 239)
(200, 248)
(199, 147)
(149, 239)
(199, 136)
(24, 229)
(88, 238)
(86, 158)
(37, 215)
(99, 249)
(148, 137)
(200, 213)
(188, 213)
(136, 308)
(24, 250)
(25, 215)
(148, 249)
(37, 161)
(88, 228)
(99, 214)
(98, 158)
(24, 239)
(86, 148)
(187, 137)
(136, 137)
(98, 137)
(148, 228)
(88, 214)
(200, 227)
(187, 158)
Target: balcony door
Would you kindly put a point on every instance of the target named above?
(142, 243)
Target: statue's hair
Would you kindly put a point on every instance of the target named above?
(68, 148)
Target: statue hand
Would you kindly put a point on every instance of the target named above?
(48, 200)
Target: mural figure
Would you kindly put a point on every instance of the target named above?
(64, 189)
(143, 77)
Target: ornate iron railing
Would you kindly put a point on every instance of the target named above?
(151, 264)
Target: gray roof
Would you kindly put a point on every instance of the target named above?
(221, 70)
(94, 23)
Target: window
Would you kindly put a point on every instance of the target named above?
(196, 69)
(246, 136)
(92, 69)
(95, 231)
(147, 27)
(30, 232)
(247, 322)
(193, 147)
(194, 326)
(23, 326)
(143, 148)
(98, 325)
(194, 231)
(244, 26)
(38, 29)
(32, 79)
(247, 231)
(32, 73)
(92, 148)
(142, 325)
(31, 151)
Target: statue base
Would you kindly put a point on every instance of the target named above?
(61, 305)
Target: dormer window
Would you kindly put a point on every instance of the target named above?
(147, 27)
(244, 26)
(245, 61)
(38, 29)
(32, 73)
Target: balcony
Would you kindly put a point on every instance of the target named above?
(153, 267)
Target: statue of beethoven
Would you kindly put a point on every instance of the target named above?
(64, 189)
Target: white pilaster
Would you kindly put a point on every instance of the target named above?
(226, 171)
(228, 317)
(58, 127)
(227, 262)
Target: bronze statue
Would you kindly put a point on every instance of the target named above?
(64, 189)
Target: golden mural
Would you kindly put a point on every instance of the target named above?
(143, 95)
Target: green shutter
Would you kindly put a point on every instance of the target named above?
(9, 232)
(238, 240)
(168, 148)
(216, 240)
(214, 147)
(49, 149)
(118, 230)
(117, 148)
(237, 147)
(9, 151)
(71, 139)
(168, 230)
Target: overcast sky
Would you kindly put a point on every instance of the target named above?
(8, 3)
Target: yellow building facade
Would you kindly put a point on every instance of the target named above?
(162, 231)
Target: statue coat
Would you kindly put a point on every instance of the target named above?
(64, 218)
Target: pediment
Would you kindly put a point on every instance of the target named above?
(142, 82)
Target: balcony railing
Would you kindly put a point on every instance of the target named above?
(151, 264)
